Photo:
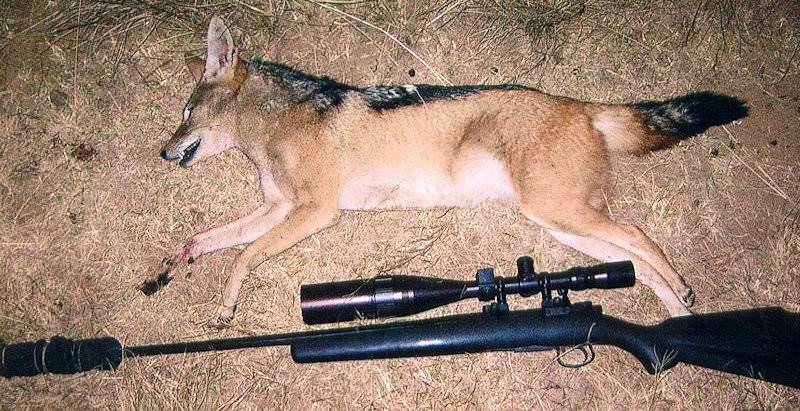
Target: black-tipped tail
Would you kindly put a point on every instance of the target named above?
(691, 114)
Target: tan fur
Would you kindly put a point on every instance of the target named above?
(624, 130)
(546, 154)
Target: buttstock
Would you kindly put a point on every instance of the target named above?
(762, 343)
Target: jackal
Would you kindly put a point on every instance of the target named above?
(321, 146)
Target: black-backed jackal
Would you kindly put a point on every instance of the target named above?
(321, 146)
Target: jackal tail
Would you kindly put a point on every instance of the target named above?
(652, 125)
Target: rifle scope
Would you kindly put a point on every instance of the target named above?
(401, 295)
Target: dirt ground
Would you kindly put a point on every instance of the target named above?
(88, 209)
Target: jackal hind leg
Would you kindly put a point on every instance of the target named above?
(301, 222)
(645, 273)
(595, 234)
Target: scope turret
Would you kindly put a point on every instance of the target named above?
(401, 295)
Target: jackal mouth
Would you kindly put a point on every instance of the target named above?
(188, 153)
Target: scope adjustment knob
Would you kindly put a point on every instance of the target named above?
(486, 286)
(525, 270)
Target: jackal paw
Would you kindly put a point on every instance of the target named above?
(688, 297)
(218, 323)
(160, 280)
(223, 318)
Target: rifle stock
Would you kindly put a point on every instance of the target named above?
(762, 343)
(753, 343)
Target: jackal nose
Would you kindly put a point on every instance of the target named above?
(164, 154)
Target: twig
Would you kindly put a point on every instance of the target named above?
(763, 176)
(344, 2)
(447, 9)
(789, 63)
(441, 78)
(76, 89)
(254, 8)
(608, 205)
(694, 21)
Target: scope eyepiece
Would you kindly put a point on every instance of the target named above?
(603, 276)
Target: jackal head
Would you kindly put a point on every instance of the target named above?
(209, 123)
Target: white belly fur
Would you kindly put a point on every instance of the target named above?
(478, 177)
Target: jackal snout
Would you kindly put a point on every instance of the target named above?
(196, 139)
(182, 147)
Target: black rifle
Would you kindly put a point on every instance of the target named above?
(758, 343)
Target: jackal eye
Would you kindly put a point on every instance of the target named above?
(187, 112)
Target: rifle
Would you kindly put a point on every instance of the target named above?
(758, 343)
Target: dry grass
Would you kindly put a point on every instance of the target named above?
(80, 230)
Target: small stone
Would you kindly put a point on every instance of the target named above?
(59, 98)
(84, 152)
(412, 72)
(75, 217)
(28, 169)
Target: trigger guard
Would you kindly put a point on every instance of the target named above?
(586, 349)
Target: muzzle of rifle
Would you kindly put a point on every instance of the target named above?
(402, 295)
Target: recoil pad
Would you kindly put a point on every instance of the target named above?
(60, 356)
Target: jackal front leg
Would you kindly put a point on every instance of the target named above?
(242, 231)
(302, 222)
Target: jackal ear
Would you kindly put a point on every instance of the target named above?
(196, 66)
(221, 51)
